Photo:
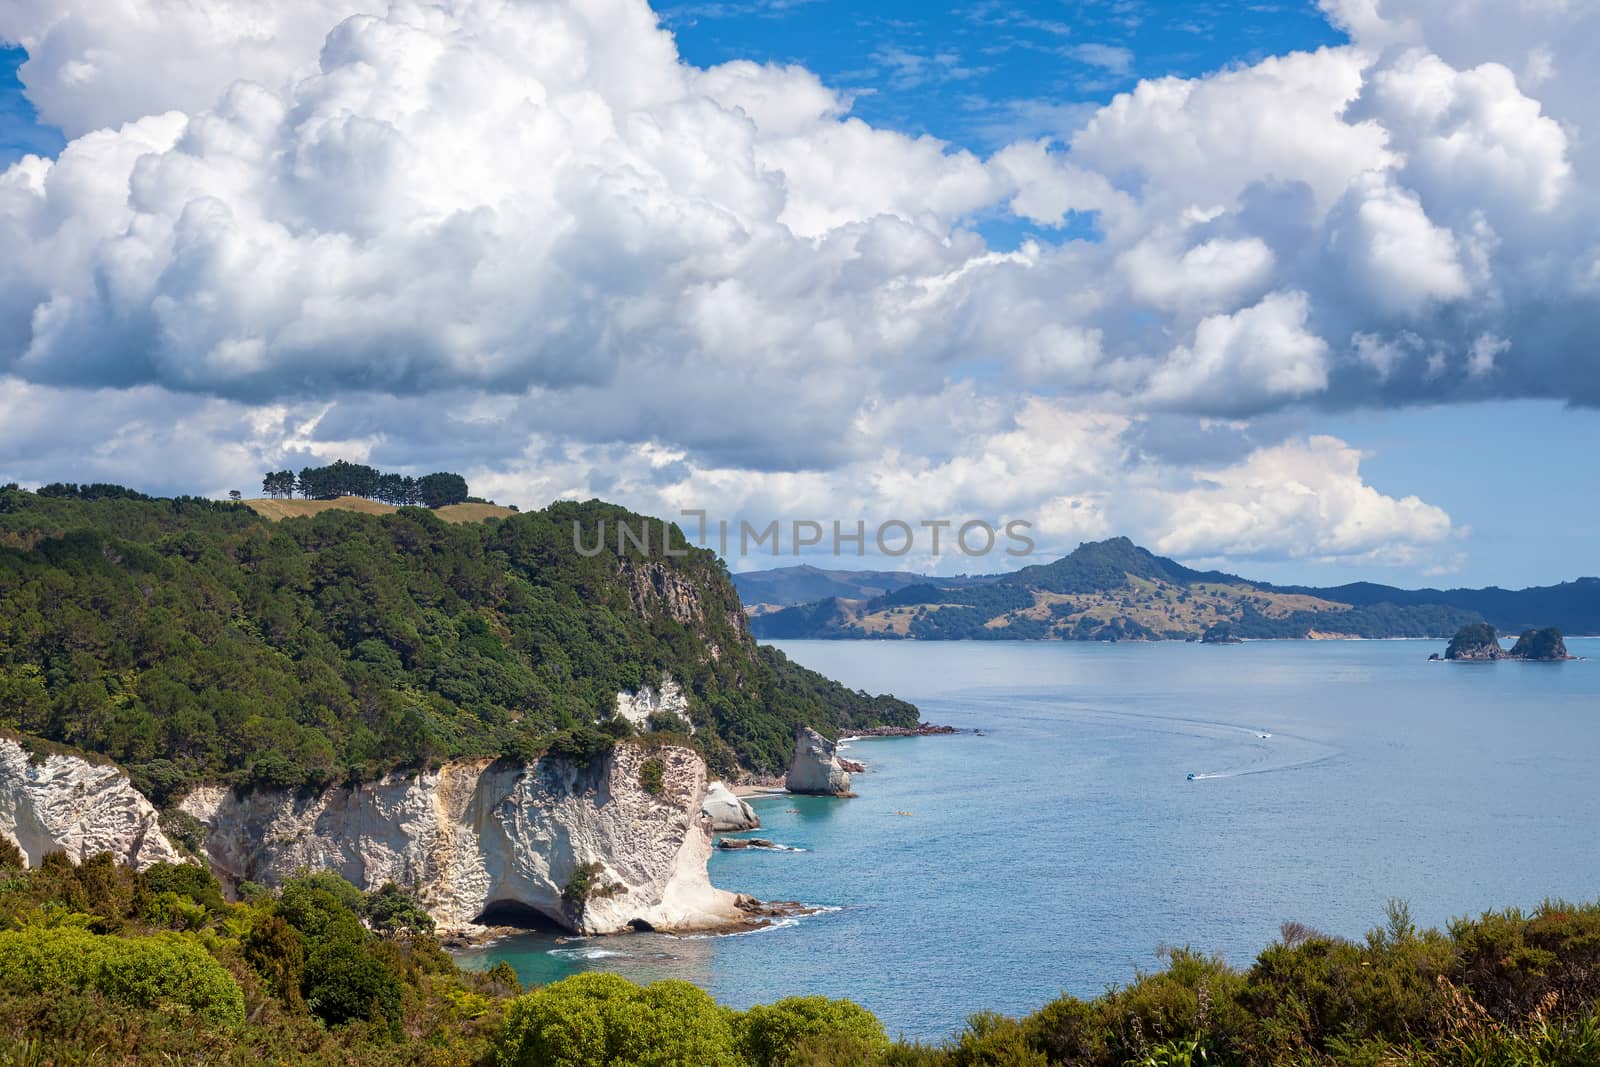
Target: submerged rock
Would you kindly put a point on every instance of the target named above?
(815, 767)
(727, 812)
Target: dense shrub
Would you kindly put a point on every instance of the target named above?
(652, 776)
(343, 982)
(601, 1020)
(1513, 988)
(160, 971)
(775, 1035)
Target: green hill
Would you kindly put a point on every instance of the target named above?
(189, 639)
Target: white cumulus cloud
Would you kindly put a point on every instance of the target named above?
(371, 211)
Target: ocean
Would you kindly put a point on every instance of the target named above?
(1059, 844)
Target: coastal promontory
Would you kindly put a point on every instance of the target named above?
(512, 730)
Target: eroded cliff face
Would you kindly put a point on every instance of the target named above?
(489, 839)
(71, 805)
(656, 589)
(638, 706)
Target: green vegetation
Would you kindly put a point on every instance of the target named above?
(340, 478)
(193, 640)
(779, 1034)
(652, 776)
(586, 885)
(597, 1020)
(89, 491)
(162, 971)
(101, 965)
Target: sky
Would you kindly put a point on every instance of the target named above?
(1303, 290)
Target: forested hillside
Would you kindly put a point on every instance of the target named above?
(189, 639)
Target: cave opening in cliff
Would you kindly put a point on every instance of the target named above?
(516, 914)
(639, 926)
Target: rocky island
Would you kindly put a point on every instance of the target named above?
(1480, 642)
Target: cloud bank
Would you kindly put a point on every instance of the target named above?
(527, 233)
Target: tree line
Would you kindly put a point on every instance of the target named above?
(341, 478)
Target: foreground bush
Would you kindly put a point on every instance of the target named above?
(601, 1020)
(802, 1028)
(101, 966)
(165, 971)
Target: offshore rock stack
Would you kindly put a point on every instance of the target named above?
(815, 768)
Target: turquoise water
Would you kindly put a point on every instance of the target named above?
(1062, 847)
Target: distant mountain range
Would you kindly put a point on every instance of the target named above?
(784, 587)
(1114, 590)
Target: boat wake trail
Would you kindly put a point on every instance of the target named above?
(1259, 750)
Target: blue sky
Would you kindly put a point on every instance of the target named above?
(20, 131)
(986, 73)
(975, 74)
(1513, 474)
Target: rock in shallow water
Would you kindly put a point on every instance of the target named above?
(727, 812)
(815, 767)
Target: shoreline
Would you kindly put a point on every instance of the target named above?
(745, 792)
(1124, 641)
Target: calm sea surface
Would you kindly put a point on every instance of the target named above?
(1062, 847)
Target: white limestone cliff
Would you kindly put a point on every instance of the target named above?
(727, 812)
(479, 836)
(815, 767)
(474, 837)
(637, 707)
(68, 804)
